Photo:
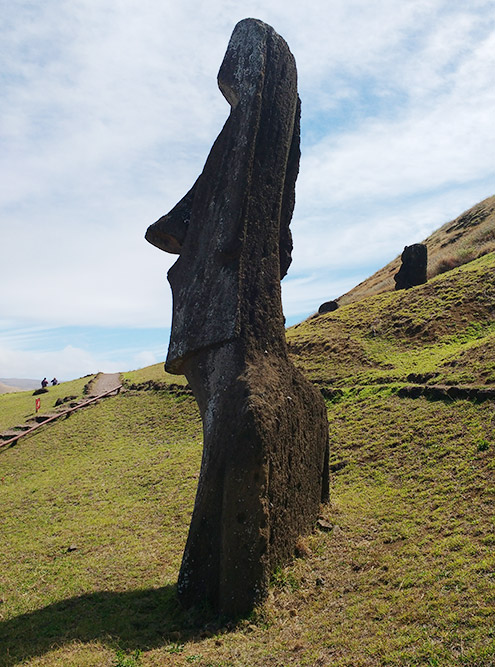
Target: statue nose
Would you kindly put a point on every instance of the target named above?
(169, 232)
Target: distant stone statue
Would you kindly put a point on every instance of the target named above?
(328, 307)
(264, 470)
(413, 268)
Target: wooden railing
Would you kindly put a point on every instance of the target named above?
(13, 441)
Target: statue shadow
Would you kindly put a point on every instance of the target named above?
(142, 619)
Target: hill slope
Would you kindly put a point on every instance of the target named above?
(20, 384)
(443, 330)
(18, 408)
(470, 235)
(6, 388)
(95, 509)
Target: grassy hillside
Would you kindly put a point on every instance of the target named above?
(18, 408)
(95, 509)
(152, 374)
(443, 331)
(469, 236)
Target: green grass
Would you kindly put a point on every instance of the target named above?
(406, 577)
(18, 407)
(94, 514)
(445, 328)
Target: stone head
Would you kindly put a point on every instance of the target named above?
(231, 230)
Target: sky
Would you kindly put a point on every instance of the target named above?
(108, 111)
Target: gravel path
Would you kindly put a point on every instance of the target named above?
(105, 382)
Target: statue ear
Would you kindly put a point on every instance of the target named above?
(169, 232)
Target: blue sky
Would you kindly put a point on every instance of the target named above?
(109, 111)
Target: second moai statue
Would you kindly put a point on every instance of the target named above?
(413, 268)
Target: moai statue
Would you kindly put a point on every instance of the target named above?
(264, 470)
(413, 268)
(328, 307)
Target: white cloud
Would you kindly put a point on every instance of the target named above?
(21, 357)
(145, 358)
(66, 363)
(357, 239)
(442, 140)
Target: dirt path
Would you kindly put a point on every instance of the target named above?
(105, 382)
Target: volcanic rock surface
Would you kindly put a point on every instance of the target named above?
(264, 470)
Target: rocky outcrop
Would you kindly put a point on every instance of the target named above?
(413, 268)
(264, 470)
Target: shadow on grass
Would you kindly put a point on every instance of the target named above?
(142, 619)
